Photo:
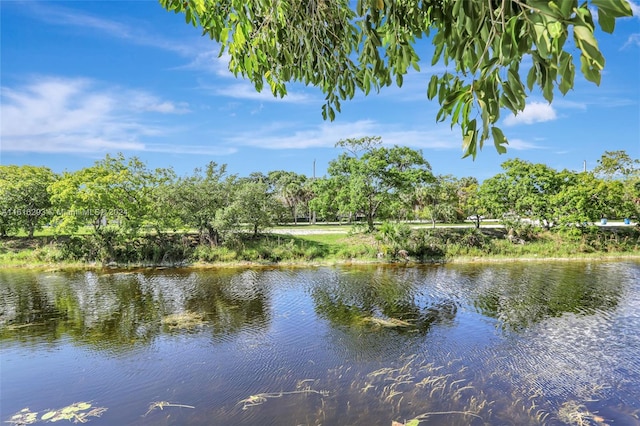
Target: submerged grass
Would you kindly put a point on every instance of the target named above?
(184, 320)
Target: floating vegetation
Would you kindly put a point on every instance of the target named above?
(12, 327)
(162, 404)
(23, 417)
(78, 412)
(573, 413)
(424, 416)
(261, 398)
(387, 323)
(184, 321)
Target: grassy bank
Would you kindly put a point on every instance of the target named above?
(391, 243)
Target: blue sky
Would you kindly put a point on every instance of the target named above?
(81, 79)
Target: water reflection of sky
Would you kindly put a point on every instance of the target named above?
(545, 334)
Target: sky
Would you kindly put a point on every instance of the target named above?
(82, 79)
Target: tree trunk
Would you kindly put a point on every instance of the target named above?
(213, 236)
(370, 223)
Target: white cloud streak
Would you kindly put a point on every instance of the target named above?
(62, 16)
(522, 145)
(67, 115)
(535, 112)
(632, 40)
(635, 8)
(325, 135)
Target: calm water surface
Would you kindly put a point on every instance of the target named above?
(509, 344)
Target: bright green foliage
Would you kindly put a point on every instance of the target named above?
(112, 191)
(394, 237)
(618, 165)
(369, 181)
(253, 205)
(438, 200)
(197, 200)
(291, 189)
(24, 200)
(585, 199)
(524, 189)
(346, 46)
(327, 199)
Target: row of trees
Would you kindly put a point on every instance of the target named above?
(368, 182)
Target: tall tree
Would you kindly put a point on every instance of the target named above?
(113, 190)
(585, 199)
(374, 176)
(24, 199)
(290, 189)
(618, 165)
(343, 46)
(524, 189)
(198, 199)
(253, 205)
(438, 200)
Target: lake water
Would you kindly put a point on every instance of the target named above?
(498, 344)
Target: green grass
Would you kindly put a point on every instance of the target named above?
(422, 245)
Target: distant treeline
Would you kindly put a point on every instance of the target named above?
(368, 182)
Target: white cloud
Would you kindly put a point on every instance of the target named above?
(72, 18)
(325, 135)
(563, 103)
(635, 8)
(78, 115)
(632, 40)
(189, 149)
(209, 61)
(285, 136)
(535, 112)
(522, 145)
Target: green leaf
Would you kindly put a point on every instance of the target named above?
(499, 140)
(48, 415)
(588, 45)
(567, 72)
(615, 8)
(469, 141)
(531, 77)
(590, 73)
(432, 89)
(332, 114)
(439, 43)
(607, 22)
(554, 28)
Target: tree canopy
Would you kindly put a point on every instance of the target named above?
(344, 46)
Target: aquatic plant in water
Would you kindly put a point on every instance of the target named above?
(78, 412)
(162, 404)
(261, 398)
(184, 320)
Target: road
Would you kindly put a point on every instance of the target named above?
(344, 229)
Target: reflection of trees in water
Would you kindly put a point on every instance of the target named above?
(521, 295)
(25, 307)
(383, 292)
(233, 303)
(117, 311)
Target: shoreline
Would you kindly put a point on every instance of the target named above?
(599, 257)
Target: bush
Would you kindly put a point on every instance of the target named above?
(428, 243)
